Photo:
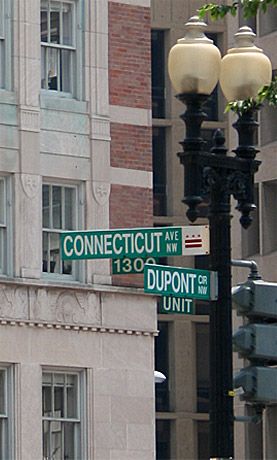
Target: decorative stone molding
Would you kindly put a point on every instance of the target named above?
(75, 307)
(72, 327)
(30, 184)
(13, 302)
(101, 192)
(80, 308)
(29, 119)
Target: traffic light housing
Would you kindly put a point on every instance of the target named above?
(256, 340)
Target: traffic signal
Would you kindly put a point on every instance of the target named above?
(256, 341)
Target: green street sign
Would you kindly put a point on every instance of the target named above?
(135, 243)
(180, 282)
(126, 266)
(177, 305)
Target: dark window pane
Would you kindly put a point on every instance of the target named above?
(202, 366)
(65, 71)
(251, 236)
(67, 24)
(55, 27)
(269, 217)
(268, 21)
(2, 392)
(57, 207)
(69, 439)
(54, 252)
(211, 106)
(163, 440)
(46, 401)
(162, 365)
(159, 171)
(158, 74)
(59, 401)
(251, 22)
(203, 440)
(269, 120)
(43, 26)
(45, 206)
(71, 396)
(68, 208)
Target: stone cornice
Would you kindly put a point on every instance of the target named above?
(73, 327)
(97, 308)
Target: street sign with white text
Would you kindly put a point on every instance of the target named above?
(180, 282)
(135, 243)
(177, 305)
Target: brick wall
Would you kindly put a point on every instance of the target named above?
(130, 207)
(129, 55)
(131, 145)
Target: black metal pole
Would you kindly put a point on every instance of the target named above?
(221, 426)
(218, 176)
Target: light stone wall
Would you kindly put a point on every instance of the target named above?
(109, 333)
(106, 331)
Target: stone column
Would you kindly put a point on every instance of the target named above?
(28, 226)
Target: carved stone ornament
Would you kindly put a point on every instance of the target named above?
(64, 307)
(29, 120)
(13, 302)
(101, 192)
(30, 184)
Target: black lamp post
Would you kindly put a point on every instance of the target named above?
(194, 68)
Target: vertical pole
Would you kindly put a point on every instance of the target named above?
(221, 375)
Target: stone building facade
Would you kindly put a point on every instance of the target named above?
(76, 355)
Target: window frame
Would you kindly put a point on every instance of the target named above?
(76, 86)
(78, 222)
(5, 41)
(8, 447)
(80, 449)
(6, 225)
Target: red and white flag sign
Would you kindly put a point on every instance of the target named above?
(196, 240)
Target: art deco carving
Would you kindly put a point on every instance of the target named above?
(30, 184)
(29, 120)
(13, 302)
(64, 306)
(49, 305)
(101, 192)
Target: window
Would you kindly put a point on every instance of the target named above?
(158, 73)
(162, 365)
(202, 366)
(251, 237)
(203, 440)
(163, 439)
(269, 217)
(6, 384)
(250, 22)
(5, 222)
(59, 208)
(211, 106)
(61, 416)
(159, 170)
(268, 21)
(58, 45)
(5, 44)
(268, 121)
